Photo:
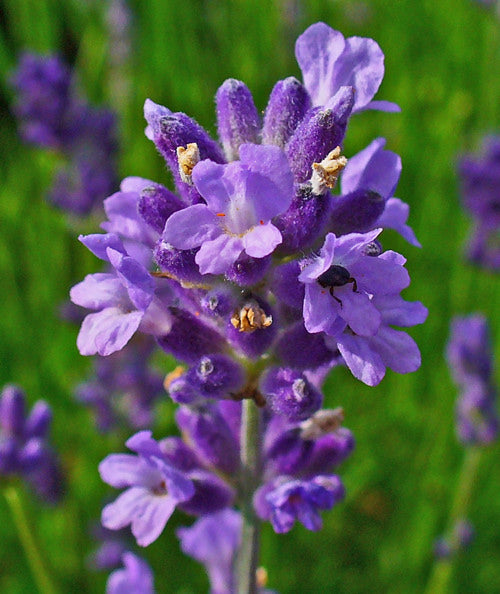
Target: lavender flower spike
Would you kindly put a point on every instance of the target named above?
(154, 488)
(242, 197)
(329, 61)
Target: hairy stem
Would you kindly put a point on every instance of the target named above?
(443, 568)
(248, 556)
(28, 542)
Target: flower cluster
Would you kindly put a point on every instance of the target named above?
(52, 115)
(480, 187)
(259, 279)
(24, 447)
(470, 358)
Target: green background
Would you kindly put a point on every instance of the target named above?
(442, 68)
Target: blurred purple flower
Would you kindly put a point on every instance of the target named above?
(135, 577)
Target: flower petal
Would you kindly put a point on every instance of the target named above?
(378, 276)
(363, 361)
(261, 240)
(216, 256)
(139, 283)
(126, 470)
(398, 350)
(189, 228)
(107, 331)
(394, 217)
(208, 177)
(358, 311)
(97, 291)
(121, 512)
(149, 524)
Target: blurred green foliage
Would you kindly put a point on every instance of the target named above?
(442, 61)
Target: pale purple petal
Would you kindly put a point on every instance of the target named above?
(139, 283)
(373, 168)
(398, 350)
(364, 362)
(126, 470)
(150, 522)
(120, 513)
(216, 256)
(107, 331)
(98, 243)
(321, 311)
(135, 578)
(189, 228)
(394, 257)
(398, 312)
(387, 106)
(261, 240)
(124, 218)
(317, 51)
(358, 311)
(395, 216)
(153, 112)
(208, 179)
(135, 184)
(99, 290)
(378, 276)
(319, 265)
(348, 247)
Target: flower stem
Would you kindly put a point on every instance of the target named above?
(443, 568)
(31, 549)
(248, 556)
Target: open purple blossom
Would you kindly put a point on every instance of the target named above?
(299, 500)
(341, 281)
(24, 447)
(242, 197)
(124, 299)
(368, 356)
(136, 576)
(329, 61)
(153, 489)
(480, 182)
(376, 170)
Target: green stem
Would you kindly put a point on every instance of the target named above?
(248, 556)
(31, 549)
(443, 568)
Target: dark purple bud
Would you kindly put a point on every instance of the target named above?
(288, 103)
(190, 338)
(286, 286)
(9, 461)
(211, 494)
(356, 212)
(47, 479)
(178, 264)
(12, 411)
(247, 271)
(238, 120)
(289, 393)
(252, 342)
(156, 204)
(38, 421)
(216, 376)
(300, 349)
(301, 224)
(230, 411)
(31, 455)
(219, 302)
(180, 455)
(329, 451)
(318, 134)
(285, 451)
(211, 437)
(182, 391)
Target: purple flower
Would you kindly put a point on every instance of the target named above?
(299, 500)
(124, 299)
(341, 281)
(154, 488)
(368, 356)
(242, 198)
(214, 540)
(378, 170)
(329, 61)
(136, 576)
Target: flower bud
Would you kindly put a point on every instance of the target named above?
(156, 204)
(356, 212)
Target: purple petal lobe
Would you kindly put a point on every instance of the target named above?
(98, 291)
(364, 362)
(190, 227)
(359, 312)
(107, 331)
(261, 240)
(217, 255)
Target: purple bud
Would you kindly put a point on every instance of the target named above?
(356, 212)
(290, 394)
(211, 494)
(216, 376)
(182, 391)
(286, 285)
(318, 134)
(285, 451)
(329, 451)
(180, 455)
(238, 120)
(189, 338)
(288, 103)
(247, 271)
(9, 461)
(12, 411)
(252, 344)
(300, 349)
(156, 204)
(219, 301)
(210, 436)
(304, 220)
(32, 454)
(38, 421)
(179, 264)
